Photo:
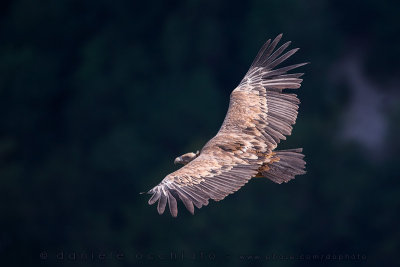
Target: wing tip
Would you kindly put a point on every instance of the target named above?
(165, 195)
(267, 54)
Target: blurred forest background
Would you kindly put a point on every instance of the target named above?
(97, 98)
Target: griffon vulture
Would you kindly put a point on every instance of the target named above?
(260, 114)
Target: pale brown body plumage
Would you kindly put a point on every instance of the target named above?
(259, 116)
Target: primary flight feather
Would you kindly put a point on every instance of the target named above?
(260, 114)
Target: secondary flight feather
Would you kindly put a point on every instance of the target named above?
(260, 114)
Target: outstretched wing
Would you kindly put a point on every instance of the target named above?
(259, 116)
(261, 90)
(214, 174)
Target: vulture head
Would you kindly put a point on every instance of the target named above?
(186, 158)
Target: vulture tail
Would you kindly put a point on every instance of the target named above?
(286, 164)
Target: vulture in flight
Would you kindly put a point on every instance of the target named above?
(260, 114)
